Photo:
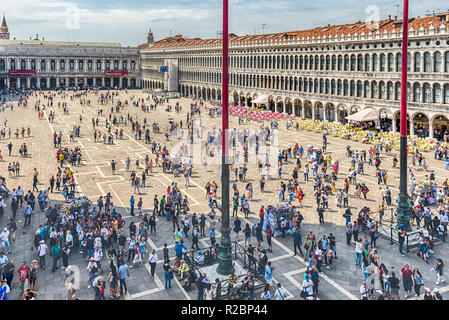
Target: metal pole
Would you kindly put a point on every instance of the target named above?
(224, 252)
(403, 210)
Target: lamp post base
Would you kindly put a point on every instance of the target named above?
(224, 254)
(403, 213)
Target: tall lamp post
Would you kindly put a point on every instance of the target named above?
(224, 252)
(403, 210)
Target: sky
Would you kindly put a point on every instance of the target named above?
(128, 21)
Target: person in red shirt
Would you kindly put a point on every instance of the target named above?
(24, 276)
(407, 279)
(262, 214)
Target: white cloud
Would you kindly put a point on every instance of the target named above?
(128, 22)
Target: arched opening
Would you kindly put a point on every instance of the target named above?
(236, 99)
(271, 104)
(354, 109)
(288, 106)
(342, 113)
(80, 82)
(133, 83)
(249, 100)
(397, 119)
(330, 112)
(98, 82)
(116, 82)
(13, 82)
(125, 83)
(307, 109)
(33, 82)
(298, 107)
(53, 83)
(43, 83)
(386, 120)
(421, 125)
(107, 82)
(279, 105)
(319, 111)
(242, 100)
(440, 124)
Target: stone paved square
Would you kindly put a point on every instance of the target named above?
(94, 178)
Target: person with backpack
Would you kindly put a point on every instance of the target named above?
(394, 286)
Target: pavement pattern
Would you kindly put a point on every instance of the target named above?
(94, 178)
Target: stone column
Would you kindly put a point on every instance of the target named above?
(85, 81)
(76, 81)
(57, 81)
(38, 83)
(431, 133)
(120, 81)
(102, 81)
(412, 127)
(48, 83)
(28, 83)
(394, 125)
(67, 81)
(18, 83)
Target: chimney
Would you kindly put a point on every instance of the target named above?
(389, 17)
(395, 17)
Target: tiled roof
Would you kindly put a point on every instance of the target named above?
(358, 28)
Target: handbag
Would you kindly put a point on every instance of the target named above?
(303, 293)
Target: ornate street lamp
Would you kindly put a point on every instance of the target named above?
(404, 210)
(224, 252)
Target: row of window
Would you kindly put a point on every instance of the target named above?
(425, 93)
(383, 62)
(22, 64)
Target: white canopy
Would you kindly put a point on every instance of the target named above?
(364, 115)
(263, 99)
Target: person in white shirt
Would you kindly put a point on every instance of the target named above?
(308, 286)
(152, 259)
(200, 259)
(4, 238)
(364, 292)
(98, 257)
(69, 239)
(42, 251)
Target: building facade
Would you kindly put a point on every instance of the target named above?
(51, 64)
(324, 73)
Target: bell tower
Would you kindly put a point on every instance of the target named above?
(150, 38)
(4, 32)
